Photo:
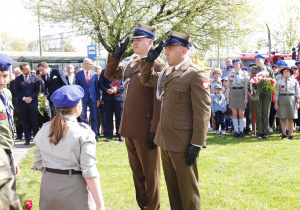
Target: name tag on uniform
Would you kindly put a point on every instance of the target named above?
(282, 86)
(3, 116)
(255, 72)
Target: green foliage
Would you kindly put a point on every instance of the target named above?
(233, 174)
(111, 21)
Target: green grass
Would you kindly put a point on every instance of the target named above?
(233, 174)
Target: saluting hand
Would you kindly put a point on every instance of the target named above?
(120, 49)
(191, 153)
(154, 52)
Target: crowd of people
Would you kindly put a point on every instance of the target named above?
(162, 110)
(237, 106)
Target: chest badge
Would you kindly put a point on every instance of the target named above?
(205, 84)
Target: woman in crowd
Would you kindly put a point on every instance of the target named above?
(287, 100)
(237, 98)
(65, 154)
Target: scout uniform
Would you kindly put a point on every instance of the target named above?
(263, 105)
(6, 116)
(139, 119)
(288, 92)
(184, 119)
(68, 163)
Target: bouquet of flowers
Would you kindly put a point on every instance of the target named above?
(17, 118)
(41, 103)
(263, 84)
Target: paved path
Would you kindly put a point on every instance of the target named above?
(21, 150)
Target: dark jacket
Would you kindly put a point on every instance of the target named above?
(104, 85)
(57, 80)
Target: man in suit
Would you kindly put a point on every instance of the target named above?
(89, 82)
(53, 79)
(140, 116)
(18, 125)
(183, 89)
(71, 75)
(113, 103)
(27, 88)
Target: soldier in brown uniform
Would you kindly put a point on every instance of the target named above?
(140, 116)
(185, 111)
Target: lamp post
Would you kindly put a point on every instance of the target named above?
(39, 24)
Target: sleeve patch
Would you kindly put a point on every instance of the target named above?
(205, 84)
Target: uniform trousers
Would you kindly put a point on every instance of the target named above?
(262, 111)
(93, 115)
(145, 165)
(112, 107)
(182, 181)
(30, 119)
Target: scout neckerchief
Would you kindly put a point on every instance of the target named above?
(8, 110)
(236, 78)
(216, 100)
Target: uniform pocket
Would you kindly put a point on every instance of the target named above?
(179, 94)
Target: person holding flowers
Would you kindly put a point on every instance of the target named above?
(237, 97)
(262, 104)
(287, 101)
(65, 154)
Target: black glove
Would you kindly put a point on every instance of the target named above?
(191, 154)
(154, 52)
(151, 140)
(120, 49)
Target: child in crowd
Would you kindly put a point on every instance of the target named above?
(218, 107)
(228, 112)
(217, 75)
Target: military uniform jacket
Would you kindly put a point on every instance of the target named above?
(238, 79)
(287, 86)
(185, 105)
(140, 107)
(6, 132)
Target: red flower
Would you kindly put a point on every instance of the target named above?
(255, 80)
(272, 81)
(28, 204)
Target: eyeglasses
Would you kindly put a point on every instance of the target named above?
(33, 72)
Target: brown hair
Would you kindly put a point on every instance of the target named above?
(59, 125)
(23, 64)
(43, 64)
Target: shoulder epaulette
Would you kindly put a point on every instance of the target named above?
(46, 123)
(83, 125)
(196, 66)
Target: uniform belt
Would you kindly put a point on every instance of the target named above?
(8, 151)
(237, 88)
(287, 94)
(66, 172)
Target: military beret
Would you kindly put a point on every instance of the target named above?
(297, 63)
(229, 67)
(67, 96)
(218, 86)
(245, 68)
(143, 31)
(236, 60)
(5, 62)
(281, 63)
(286, 68)
(177, 38)
(224, 78)
(293, 67)
(260, 56)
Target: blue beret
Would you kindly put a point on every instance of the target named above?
(67, 96)
(297, 63)
(260, 56)
(281, 63)
(245, 68)
(218, 86)
(5, 62)
(229, 67)
(237, 60)
(225, 78)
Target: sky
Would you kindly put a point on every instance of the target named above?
(21, 23)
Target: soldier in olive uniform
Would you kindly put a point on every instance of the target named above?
(263, 105)
(6, 114)
(183, 89)
(140, 116)
(287, 100)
